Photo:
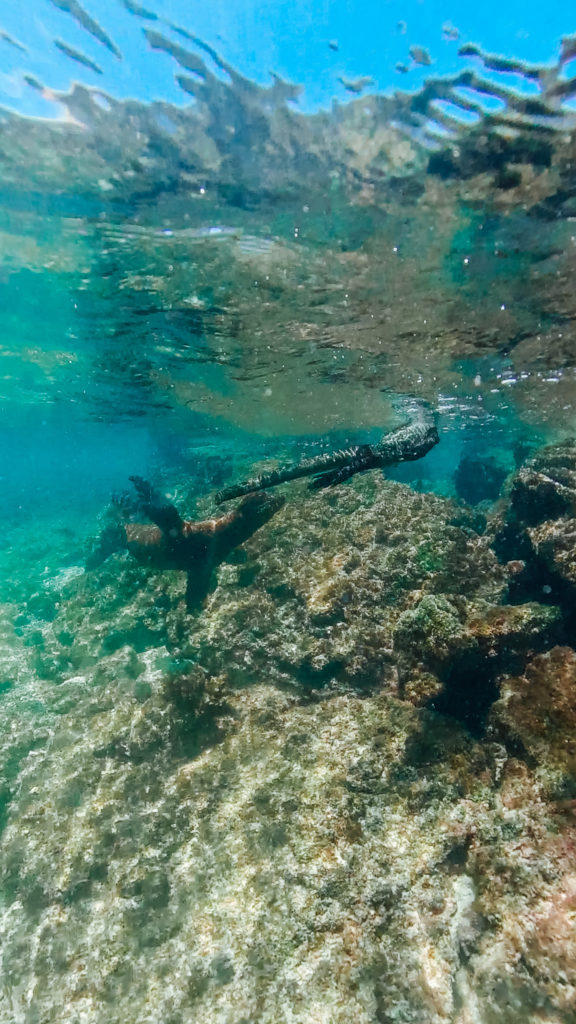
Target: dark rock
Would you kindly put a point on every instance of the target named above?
(540, 529)
(478, 479)
(450, 650)
(545, 488)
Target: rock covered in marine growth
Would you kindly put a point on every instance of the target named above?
(316, 602)
(237, 815)
(450, 650)
(544, 489)
(536, 717)
(540, 525)
(554, 545)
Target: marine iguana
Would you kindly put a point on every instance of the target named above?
(170, 542)
(406, 443)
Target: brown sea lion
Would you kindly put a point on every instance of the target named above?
(170, 542)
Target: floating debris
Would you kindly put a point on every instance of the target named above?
(34, 83)
(333, 45)
(138, 10)
(568, 51)
(495, 62)
(6, 38)
(185, 58)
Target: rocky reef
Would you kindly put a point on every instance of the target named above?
(343, 790)
(343, 787)
(539, 526)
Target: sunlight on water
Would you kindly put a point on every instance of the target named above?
(287, 590)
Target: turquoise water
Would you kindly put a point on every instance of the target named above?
(305, 757)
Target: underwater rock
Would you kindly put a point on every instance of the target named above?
(179, 717)
(536, 717)
(332, 580)
(340, 855)
(434, 632)
(545, 488)
(554, 545)
(527, 962)
(478, 479)
(236, 817)
(464, 644)
(201, 709)
(539, 527)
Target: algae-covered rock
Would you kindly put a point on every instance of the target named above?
(554, 545)
(464, 644)
(536, 716)
(317, 602)
(539, 529)
(545, 488)
(435, 632)
(325, 862)
(238, 815)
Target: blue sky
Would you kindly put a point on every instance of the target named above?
(289, 37)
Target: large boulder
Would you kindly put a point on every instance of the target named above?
(545, 487)
(317, 600)
(538, 533)
(450, 650)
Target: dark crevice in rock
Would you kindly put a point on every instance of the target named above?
(469, 692)
(458, 650)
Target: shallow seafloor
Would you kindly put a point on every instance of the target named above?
(259, 814)
(345, 788)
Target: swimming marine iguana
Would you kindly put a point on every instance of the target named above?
(406, 443)
(170, 542)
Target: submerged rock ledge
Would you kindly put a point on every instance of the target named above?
(258, 813)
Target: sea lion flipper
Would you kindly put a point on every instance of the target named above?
(166, 517)
(198, 584)
(143, 488)
(163, 514)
